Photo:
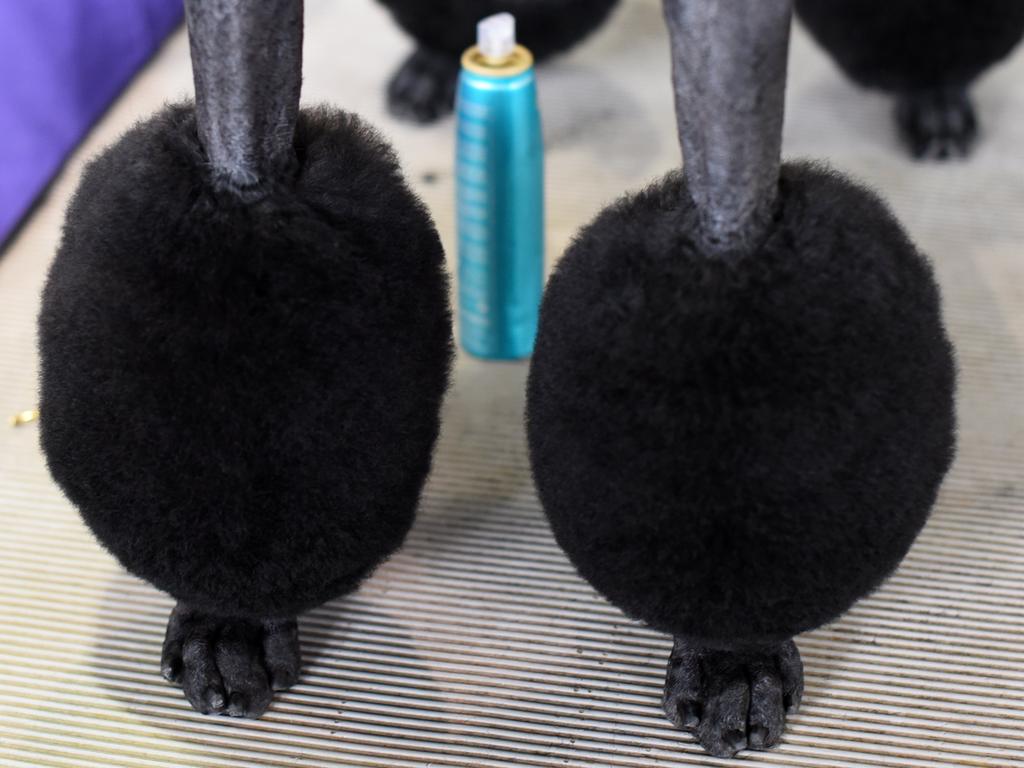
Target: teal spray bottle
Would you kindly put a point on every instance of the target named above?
(500, 195)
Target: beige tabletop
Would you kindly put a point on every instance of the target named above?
(478, 645)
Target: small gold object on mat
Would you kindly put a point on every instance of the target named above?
(21, 418)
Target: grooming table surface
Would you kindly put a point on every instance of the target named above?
(478, 645)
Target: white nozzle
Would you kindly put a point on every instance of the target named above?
(496, 36)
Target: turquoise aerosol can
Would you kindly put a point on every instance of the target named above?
(500, 195)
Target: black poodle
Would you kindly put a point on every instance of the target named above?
(245, 341)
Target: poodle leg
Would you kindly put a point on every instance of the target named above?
(937, 123)
(229, 665)
(733, 699)
(423, 88)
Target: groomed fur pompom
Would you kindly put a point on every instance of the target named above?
(241, 392)
(910, 45)
(738, 448)
(546, 27)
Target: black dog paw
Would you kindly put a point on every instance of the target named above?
(228, 665)
(732, 700)
(937, 124)
(423, 88)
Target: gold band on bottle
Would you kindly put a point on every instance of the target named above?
(515, 63)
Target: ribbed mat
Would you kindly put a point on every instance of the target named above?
(478, 645)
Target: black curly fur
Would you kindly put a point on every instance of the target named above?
(546, 27)
(912, 45)
(241, 396)
(737, 449)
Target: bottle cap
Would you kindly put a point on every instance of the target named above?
(496, 36)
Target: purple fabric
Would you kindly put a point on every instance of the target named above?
(61, 63)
